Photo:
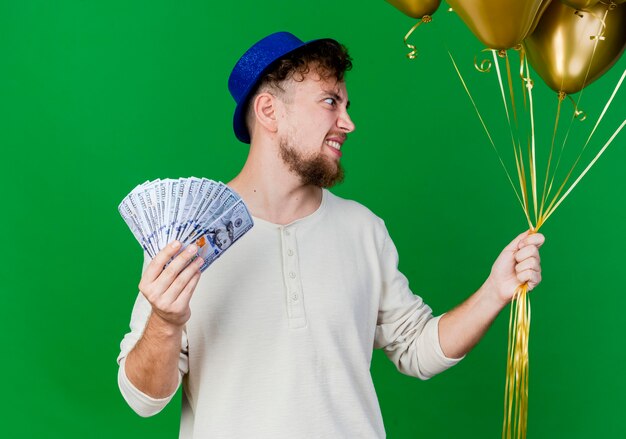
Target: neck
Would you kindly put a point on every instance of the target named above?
(271, 191)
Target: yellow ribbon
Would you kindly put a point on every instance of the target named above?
(516, 385)
(413, 50)
(485, 64)
(578, 114)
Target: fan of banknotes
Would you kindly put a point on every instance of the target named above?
(190, 210)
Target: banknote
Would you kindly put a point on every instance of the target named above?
(190, 210)
(223, 232)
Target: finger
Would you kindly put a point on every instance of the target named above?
(514, 245)
(536, 239)
(530, 277)
(528, 264)
(185, 295)
(168, 275)
(181, 281)
(156, 265)
(527, 252)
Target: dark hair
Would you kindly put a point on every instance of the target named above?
(329, 58)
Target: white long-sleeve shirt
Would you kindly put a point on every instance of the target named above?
(282, 329)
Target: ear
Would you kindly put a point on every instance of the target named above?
(264, 110)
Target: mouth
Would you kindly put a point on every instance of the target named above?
(334, 146)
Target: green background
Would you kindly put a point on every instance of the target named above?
(96, 97)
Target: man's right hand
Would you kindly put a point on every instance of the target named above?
(169, 289)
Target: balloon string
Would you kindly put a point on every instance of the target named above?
(485, 127)
(522, 57)
(528, 86)
(504, 102)
(511, 93)
(556, 125)
(554, 204)
(520, 163)
(517, 367)
(521, 174)
(578, 114)
(533, 164)
(587, 168)
(413, 50)
(517, 371)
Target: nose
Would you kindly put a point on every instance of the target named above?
(345, 122)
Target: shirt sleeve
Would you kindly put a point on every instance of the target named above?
(144, 405)
(406, 329)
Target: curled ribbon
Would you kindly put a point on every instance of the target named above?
(578, 114)
(413, 50)
(485, 64)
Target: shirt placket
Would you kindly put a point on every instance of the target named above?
(293, 280)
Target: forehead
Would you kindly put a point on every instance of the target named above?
(314, 84)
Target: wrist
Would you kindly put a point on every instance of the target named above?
(492, 295)
(163, 328)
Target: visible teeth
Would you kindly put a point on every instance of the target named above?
(334, 144)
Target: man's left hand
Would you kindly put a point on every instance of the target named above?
(519, 263)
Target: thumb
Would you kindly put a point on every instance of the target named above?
(513, 245)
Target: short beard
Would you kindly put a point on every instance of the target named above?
(316, 170)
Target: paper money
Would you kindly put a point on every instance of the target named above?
(223, 232)
(191, 210)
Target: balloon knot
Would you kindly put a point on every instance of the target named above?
(562, 95)
(502, 53)
(427, 19)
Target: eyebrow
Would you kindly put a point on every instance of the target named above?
(336, 97)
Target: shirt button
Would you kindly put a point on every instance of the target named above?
(294, 296)
(290, 252)
(292, 275)
(287, 233)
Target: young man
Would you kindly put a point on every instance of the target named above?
(276, 341)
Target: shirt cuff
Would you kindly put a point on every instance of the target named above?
(439, 362)
(144, 405)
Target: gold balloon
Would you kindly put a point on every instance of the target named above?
(561, 50)
(580, 4)
(499, 24)
(542, 9)
(416, 8)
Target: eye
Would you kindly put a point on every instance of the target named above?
(330, 101)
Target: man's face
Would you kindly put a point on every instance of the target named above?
(313, 127)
